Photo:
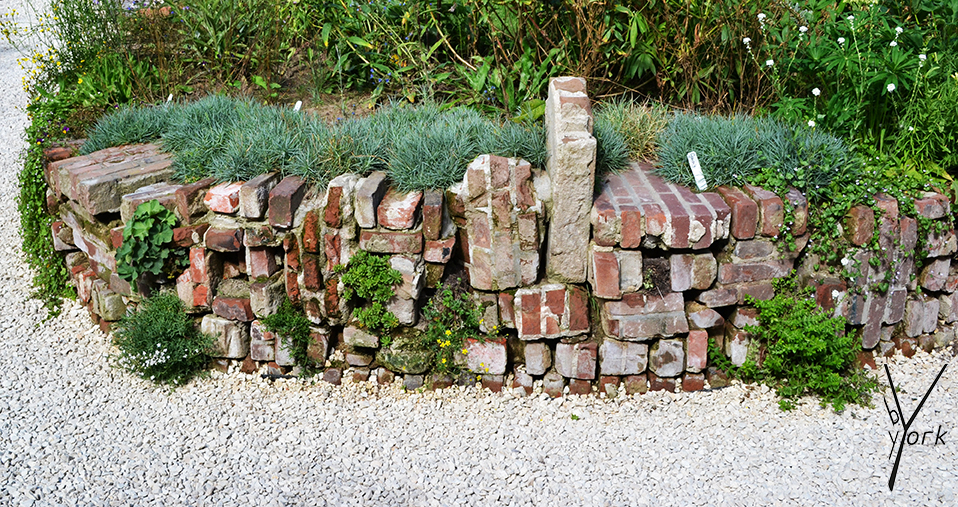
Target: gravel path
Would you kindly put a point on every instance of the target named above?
(75, 432)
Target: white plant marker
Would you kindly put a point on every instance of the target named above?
(299, 104)
(697, 171)
(170, 98)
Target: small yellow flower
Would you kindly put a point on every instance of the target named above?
(443, 360)
(464, 351)
(80, 81)
(448, 332)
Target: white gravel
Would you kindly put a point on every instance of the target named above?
(75, 432)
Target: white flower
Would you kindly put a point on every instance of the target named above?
(761, 16)
(911, 129)
(816, 92)
(845, 261)
(922, 57)
(899, 29)
(835, 293)
(893, 43)
(769, 63)
(841, 40)
(811, 123)
(851, 18)
(890, 87)
(803, 29)
(747, 40)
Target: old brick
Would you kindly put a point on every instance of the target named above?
(254, 195)
(266, 296)
(934, 274)
(580, 387)
(284, 200)
(369, 193)
(335, 376)
(507, 310)
(702, 317)
(736, 344)
(799, 211)
(232, 338)
(186, 237)
(606, 224)
(233, 308)
(538, 358)
(828, 291)
(224, 240)
(860, 225)
(312, 232)
(261, 262)
(412, 270)
(681, 272)
(667, 358)
(693, 382)
(630, 270)
(487, 357)
(771, 210)
(932, 205)
(752, 272)
(622, 358)
(439, 251)
(697, 351)
(636, 384)
(744, 212)
(576, 360)
(223, 198)
(744, 316)
(432, 214)
(391, 241)
(292, 287)
(318, 346)
(189, 199)
(398, 210)
(718, 297)
(604, 273)
(941, 244)
(657, 383)
(291, 247)
(312, 272)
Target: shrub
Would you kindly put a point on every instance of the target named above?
(146, 244)
(806, 351)
(129, 125)
(370, 278)
(159, 342)
(292, 327)
(452, 317)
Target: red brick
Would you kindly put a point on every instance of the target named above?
(604, 221)
(332, 247)
(507, 310)
(57, 153)
(529, 305)
(224, 240)
(498, 171)
(260, 262)
(762, 291)
(432, 215)
(368, 195)
(693, 382)
(605, 274)
(578, 309)
(679, 220)
(291, 247)
(703, 317)
(569, 84)
(661, 384)
(697, 351)
(292, 287)
(398, 210)
(116, 235)
(909, 233)
(284, 200)
(479, 269)
(523, 179)
(527, 225)
(475, 183)
(608, 380)
(439, 251)
(860, 225)
(492, 383)
(655, 220)
(636, 384)
(331, 298)
(632, 230)
(254, 195)
(233, 308)
(259, 236)
(501, 209)
(771, 210)
(189, 199)
(391, 241)
(312, 273)
(580, 387)
(223, 198)
(333, 214)
(576, 360)
(640, 303)
(744, 212)
(188, 236)
(752, 272)
(479, 231)
(311, 232)
(199, 269)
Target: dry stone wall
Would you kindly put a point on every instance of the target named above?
(621, 290)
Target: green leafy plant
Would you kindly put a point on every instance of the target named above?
(452, 318)
(370, 278)
(146, 248)
(806, 351)
(159, 342)
(639, 124)
(292, 327)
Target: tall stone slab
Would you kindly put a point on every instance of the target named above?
(571, 167)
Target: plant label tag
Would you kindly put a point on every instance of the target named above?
(299, 104)
(697, 171)
(170, 98)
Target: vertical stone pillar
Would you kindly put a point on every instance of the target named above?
(571, 167)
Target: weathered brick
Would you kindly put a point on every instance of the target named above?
(622, 358)
(799, 211)
(828, 291)
(202, 296)
(332, 246)
(232, 338)
(859, 225)
(948, 307)
(680, 269)
(909, 233)
(693, 382)
(736, 344)
(162, 192)
(189, 199)
(576, 360)
(291, 248)
(261, 262)
(254, 195)
(233, 308)
(771, 210)
(312, 232)
(381, 241)
(606, 224)
(932, 205)
(223, 198)
(186, 237)
(941, 244)
(752, 272)
(432, 214)
(412, 270)
(630, 270)
(744, 212)
(312, 272)
(260, 236)
(398, 210)
(895, 306)
(697, 345)
(369, 193)
(439, 251)
(604, 272)
(507, 310)
(355, 337)
(284, 200)
(487, 357)
(223, 240)
(657, 383)
(292, 287)
(667, 358)
(702, 317)
(266, 296)
(538, 358)
(934, 274)
(318, 346)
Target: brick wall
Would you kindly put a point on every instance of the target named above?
(620, 291)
